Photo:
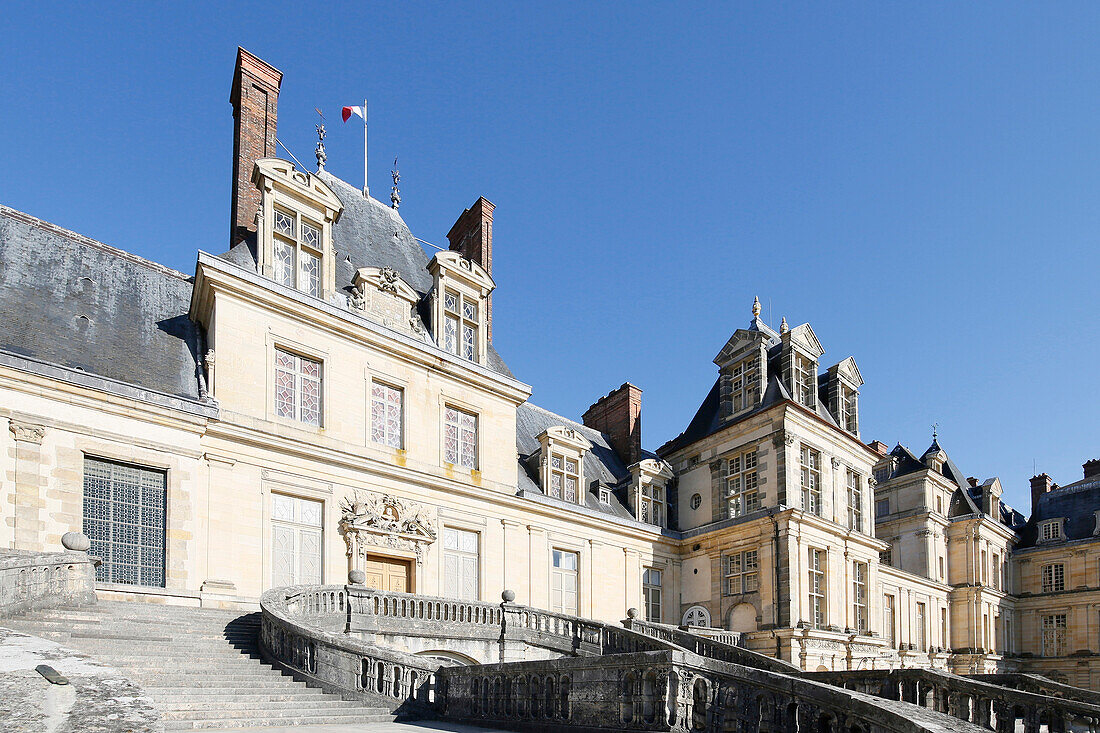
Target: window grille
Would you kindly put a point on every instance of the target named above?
(460, 438)
(386, 407)
(124, 517)
(297, 387)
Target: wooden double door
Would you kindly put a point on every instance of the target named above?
(387, 573)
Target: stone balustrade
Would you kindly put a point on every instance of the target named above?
(31, 580)
(711, 647)
(1026, 701)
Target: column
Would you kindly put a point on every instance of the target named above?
(28, 528)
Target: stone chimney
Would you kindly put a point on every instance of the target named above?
(879, 447)
(255, 100)
(1040, 485)
(619, 415)
(472, 237)
(1092, 468)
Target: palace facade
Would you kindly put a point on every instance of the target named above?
(323, 396)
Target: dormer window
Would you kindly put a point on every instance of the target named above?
(605, 496)
(652, 510)
(564, 477)
(849, 416)
(804, 378)
(459, 310)
(648, 490)
(562, 465)
(297, 252)
(460, 325)
(745, 380)
(1050, 530)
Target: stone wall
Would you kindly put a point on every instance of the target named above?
(30, 580)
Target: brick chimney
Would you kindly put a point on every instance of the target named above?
(1040, 485)
(619, 415)
(472, 237)
(973, 481)
(255, 100)
(1092, 468)
(879, 447)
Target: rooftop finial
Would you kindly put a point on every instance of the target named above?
(756, 307)
(395, 194)
(783, 327)
(321, 157)
(935, 432)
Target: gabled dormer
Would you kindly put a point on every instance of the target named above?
(843, 382)
(294, 227)
(649, 491)
(799, 357)
(459, 315)
(743, 366)
(561, 463)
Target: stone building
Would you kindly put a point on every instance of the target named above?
(325, 396)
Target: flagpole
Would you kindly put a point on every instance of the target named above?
(366, 184)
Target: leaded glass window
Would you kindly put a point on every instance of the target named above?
(310, 281)
(742, 481)
(284, 223)
(296, 253)
(460, 438)
(564, 477)
(297, 387)
(385, 406)
(652, 510)
(124, 517)
(284, 263)
(460, 319)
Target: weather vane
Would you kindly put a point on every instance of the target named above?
(395, 194)
(321, 157)
(935, 431)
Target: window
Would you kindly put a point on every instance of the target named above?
(297, 252)
(295, 541)
(653, 505)
(804, 376)
(745, 381)
(888, 621)
(849, 418)
(940, 561)
(1051, 530)
(882, 507)
(882, 474)
(939, 504)
(460, 564)
(386, 405)
(859, 596)
(741, 484)
(817, 587)
(920, 638)
(943, 629)
(1054, 635)
(1054, 578)
(741, 572)
(886, 557)
(124, 516)
(605, 495)
(855, 501)
(564, 478)
(459, 438)
(563, 582)
(696, 501)
(811, 480)
(460, 325)
(982, 577)
(651, 590)
(297, 387)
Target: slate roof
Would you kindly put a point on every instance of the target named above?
(601, 463)
(1076, 503)
(75, 302)
(370, 233)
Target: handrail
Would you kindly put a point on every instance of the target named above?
(30, 580)
(709, 647)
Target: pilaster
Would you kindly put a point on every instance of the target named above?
(26, 519)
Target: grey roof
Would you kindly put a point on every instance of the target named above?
(72, 301)
(601, 464)
(1077, 503)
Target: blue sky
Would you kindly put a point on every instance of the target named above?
(918, 181)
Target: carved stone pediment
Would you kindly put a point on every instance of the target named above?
(386, 279)
(849, 372)
(806, 339)
(383, 296)
(371, 520)
(739, 345)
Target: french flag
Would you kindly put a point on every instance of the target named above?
(349, 111)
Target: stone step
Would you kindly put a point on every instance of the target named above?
(175, 697)
(346, 713)
(245, 709)
(355, 719)
(219, 684)
(198, 679)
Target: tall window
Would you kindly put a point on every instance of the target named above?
(944, 640)
(746, 384)
(855, 501)
(651, 590)
(297, 387)
(460, 325)
(811, 480)
(653, 505)
(297, 252)
(742, 572)
(459, 437)
(386, 404)
(859, 596)
(124, 514)
(886, 557)
(1054, 635)
(849, 416)
(982, 572)
(563, 582)
(920, 637)
(564, 478)
(1054, 578)
(817, 587)
(804, 376)
(295, 540)
(888, 620)
(741, 484)
(1051, 530)
(460, 564)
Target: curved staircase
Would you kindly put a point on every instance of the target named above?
(201, 667)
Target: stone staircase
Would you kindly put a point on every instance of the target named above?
(201, 667)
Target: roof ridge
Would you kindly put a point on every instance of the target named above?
(572, 422)
(34, 221)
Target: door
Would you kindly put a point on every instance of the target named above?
(387, 573)
(295, 541)
(460, 564)
(563, 582)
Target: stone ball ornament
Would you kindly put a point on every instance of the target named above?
(632, 613)
(76, 541)
(357, 577)
(508, 596)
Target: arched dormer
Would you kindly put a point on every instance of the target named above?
(460, 290)
(294, 227)
(561, 463)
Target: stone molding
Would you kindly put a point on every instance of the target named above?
(27, 432)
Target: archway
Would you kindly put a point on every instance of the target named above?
(743, 617)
